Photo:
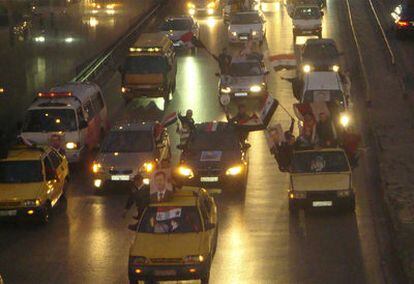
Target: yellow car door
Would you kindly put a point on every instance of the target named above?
(60, 166)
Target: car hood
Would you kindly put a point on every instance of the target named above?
(244, 82)
(19, 191)
(123, 161)
(176, 245)
(321, 181)
(247, 28)
(212, 159)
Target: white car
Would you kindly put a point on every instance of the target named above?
(245, 25)
(307, 20)
(325, 86)
(177, 29)
(130, 149)
(247, 78)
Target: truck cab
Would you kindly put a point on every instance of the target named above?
(150, 68)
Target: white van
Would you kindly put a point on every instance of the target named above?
(325, 87)
(75, 113)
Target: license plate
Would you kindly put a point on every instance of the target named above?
(243, 37)
(120, 177)
(8, 213)
(176, 44)
(322, 203)
(165, 272)
(243, 94)
(209, 179)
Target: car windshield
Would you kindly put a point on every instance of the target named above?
(176, 25)
(245, 19)
(225, 141)
(307, 13)
(50, 120)
(170, 220)
(241, 69)
(320, 51)
(127, 142)
(324, 96)
(320, 162)
(145, 64)
(20, 171)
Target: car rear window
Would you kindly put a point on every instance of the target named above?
(324, 162)
(128, 142)
(170, 219)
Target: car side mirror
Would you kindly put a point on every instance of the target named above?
(83, 124)
(210, 226)
(322, 13)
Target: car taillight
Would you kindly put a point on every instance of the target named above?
(402, 23)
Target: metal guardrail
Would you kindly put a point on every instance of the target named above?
(94, 69)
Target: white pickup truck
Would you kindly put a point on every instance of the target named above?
(307, 20)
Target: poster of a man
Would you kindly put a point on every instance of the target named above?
(161, 188)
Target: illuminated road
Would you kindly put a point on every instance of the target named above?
(88, 241)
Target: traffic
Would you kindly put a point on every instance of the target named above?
(174, 191)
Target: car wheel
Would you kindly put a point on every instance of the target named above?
(293, 208)
(44, 217)
(205, 278)
(351, 205)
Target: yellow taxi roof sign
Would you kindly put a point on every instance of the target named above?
(151, 42)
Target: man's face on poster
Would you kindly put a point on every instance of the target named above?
(159, 182)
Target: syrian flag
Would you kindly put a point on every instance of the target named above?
(187, 39)
(316, 108)
(168, 213)
(282, 61)
(260, 121)
(169, 119)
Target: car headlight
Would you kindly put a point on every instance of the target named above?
(255, 88)
(343, 193)
(191, 11)
(71, 145)
(185, 171)
(31, 203)
(344, 120)
(234, 33)
(96, 167)
(124, 89)
(40, 39)
(193, 259)
(254, 33)
(234, 171)
(137, 260)
(148, 167)
(335, 68)
(306, 68)
(297, 194)
(190, 5)
(225, 90)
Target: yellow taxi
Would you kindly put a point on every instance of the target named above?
(175, 240)
(32, 180)
(321, 178)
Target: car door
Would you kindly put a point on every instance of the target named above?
(52, 180)
(60, 168)
(210, 223)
